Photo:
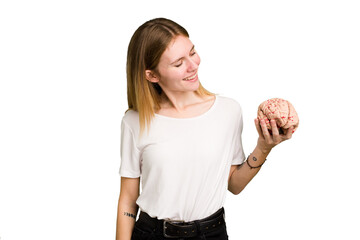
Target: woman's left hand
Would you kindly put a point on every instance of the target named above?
(267, 141)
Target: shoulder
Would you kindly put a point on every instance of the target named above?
(229, 103)
(131, 119)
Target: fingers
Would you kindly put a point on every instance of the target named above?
(265, 131)
(289, 133)
(269, 140)
(275, 132)
(274, 127)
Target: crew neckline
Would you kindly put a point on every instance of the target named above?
(190, 118)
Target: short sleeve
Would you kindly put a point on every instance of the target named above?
(129, 153)
(239, 155)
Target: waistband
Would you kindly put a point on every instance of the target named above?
(176, 229)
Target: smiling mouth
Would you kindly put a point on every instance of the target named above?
(191, 77)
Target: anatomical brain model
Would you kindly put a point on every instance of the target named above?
(282, 111)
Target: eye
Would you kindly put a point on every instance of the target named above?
(192, 53)
(179, 64)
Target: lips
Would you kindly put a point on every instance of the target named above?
(191, 78)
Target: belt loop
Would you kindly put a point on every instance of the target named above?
(197, 227)
(160, 225)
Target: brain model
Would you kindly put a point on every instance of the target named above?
(282, 111)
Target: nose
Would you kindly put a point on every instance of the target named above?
(192, 65)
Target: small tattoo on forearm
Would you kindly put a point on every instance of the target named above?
(130, 215)
(255, 159)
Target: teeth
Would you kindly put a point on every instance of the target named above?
(191, 78)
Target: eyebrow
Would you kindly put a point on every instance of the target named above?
(193, 47)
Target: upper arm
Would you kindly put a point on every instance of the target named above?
(129, 190)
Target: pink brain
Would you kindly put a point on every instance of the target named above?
(281, 110)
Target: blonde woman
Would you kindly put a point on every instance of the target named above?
(182, 141)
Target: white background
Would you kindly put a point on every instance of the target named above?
(63, 94)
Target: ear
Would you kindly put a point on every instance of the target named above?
(151, 76)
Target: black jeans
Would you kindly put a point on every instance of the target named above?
(143, 231)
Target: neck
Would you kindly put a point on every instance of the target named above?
(180, 101)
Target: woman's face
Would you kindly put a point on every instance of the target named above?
(178, 67)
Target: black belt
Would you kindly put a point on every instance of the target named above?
(178, 229)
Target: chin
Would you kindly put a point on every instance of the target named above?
(196, 86)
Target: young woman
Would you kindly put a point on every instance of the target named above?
(182, 140)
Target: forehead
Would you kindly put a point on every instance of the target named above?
(177, 48)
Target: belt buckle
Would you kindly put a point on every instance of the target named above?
(165, 227)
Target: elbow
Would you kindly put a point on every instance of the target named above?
(236, 187)
(234, 190)
(234, 193)
(237, 192)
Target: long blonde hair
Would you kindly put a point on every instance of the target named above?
(146, 46)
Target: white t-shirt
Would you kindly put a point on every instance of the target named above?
(184, 163)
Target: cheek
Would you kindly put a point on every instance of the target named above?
(172, 76)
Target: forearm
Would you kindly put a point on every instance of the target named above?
(243, 174)
(126, 218)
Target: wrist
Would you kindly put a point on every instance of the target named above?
(261, 152)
